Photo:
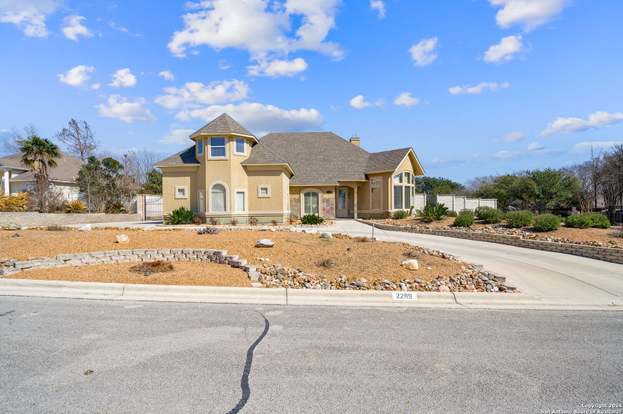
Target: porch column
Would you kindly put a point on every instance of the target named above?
(6, 182)
(355, 202)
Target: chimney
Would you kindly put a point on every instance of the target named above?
(355, 140)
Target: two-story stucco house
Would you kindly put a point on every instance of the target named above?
(229, 173)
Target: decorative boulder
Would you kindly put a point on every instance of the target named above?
(411, 264)
(326, 236)
(264, 243)
(85, 227)
(122, 238)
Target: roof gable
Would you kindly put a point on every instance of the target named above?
(66, 170)
(184, 157)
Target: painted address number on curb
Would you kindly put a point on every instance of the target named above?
(404, 296)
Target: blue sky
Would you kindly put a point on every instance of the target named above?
(476, 87)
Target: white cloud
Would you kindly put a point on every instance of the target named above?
(124, 109)
(535, 146)
(379, 7)
(597, 145)
(513, 137)
(423, 53)
(123, 78)
(527, 13)
(504, 51)
(167, 75)
(595, 120)
(193, 94)
(77, 75)
(258, 26)
(505, 154)
(405, 99)
(478, 89)
(178, 136)
(96, 86)
(28, 15)
(359, 102)
(259, 117)
(277, 68)
(73, 28)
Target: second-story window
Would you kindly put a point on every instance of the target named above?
(217, 148)
(240, 146)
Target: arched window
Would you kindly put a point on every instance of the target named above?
(218, 198)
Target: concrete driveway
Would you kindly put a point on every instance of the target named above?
(555, 277)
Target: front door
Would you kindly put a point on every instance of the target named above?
(342, 202)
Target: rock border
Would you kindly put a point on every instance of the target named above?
(126, 256)
(606, 254)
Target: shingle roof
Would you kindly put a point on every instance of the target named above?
(223, 124)
(315, 157)
(386, 160)
(185, 157)
(66, 170)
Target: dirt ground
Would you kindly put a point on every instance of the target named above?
(184, 273)
(569, 233)
(353, 259)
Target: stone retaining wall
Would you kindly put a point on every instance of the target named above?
(134, 255)
(607, 254)
(30, 219)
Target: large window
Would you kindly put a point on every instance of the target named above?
(218, 199)
(403, 190)
(217, 148)
(240, 201)
(311, 203)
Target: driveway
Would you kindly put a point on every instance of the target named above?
(554, 277)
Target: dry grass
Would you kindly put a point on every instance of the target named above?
(371, 260)
(184, 273)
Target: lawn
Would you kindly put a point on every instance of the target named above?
(352, 258)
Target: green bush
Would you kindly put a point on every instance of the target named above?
(579, 221)
(519, 219)
(434, 212)
(489, 215)
(600, 221)
(400, 214)
(464, 219)
(546, 222)
(179, 216)
(311, 219)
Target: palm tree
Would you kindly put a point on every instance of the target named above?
(39, 155)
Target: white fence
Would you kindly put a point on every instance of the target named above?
(459, 203)
(419, 201)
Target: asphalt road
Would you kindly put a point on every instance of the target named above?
(168, 357)
(560, 278)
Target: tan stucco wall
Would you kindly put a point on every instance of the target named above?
(327, 200)
(180, 177)
(265, 205)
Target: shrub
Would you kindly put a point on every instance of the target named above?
(213, 221)
(274, 222)
(234, 222)
(311, 219)
(293, 219)
(328, 263)
(253, 221)
(400, 214)
(546, 222)
(115, 207)
(519, 219)
(464, 219)
(179, 216)
(434, 212)
(489, 215)
(14, 203)
(452, 214)
(75, 206)
(579, 221)
(148, 268)
(600, 221)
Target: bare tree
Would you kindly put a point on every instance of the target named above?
(10, 144)
(138, 164)
(78, 138)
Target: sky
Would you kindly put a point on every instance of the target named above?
(476, 87)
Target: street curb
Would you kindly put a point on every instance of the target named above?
(282, 296)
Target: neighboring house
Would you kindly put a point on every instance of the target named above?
(229, 174)
(16, 177)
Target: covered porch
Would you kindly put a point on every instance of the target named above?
(337, 201)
